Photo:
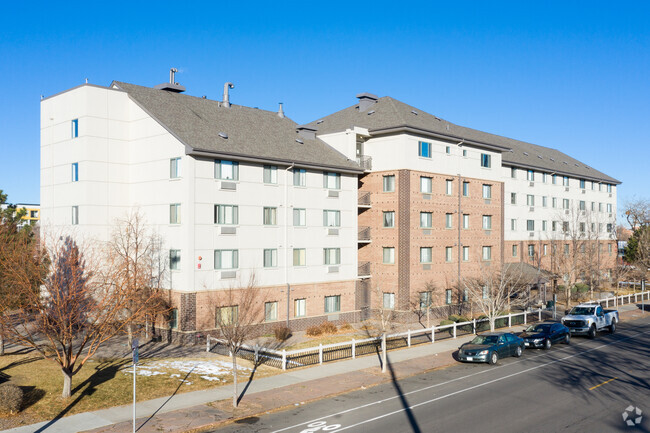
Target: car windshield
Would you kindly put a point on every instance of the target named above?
(582, 311)
(485, 339)
(539, 328)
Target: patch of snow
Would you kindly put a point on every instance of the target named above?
(207, 370)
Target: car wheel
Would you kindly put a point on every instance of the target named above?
(612, 327)
(567, 338)
(493, 358)
(592, 332)
(518, 351)
(547, 344)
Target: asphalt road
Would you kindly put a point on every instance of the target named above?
(583, 387)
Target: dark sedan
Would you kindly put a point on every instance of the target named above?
(545, 335)
(490, 347)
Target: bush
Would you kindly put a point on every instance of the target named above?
(458, 318)
(282, 333)
(580, 288)
(11, 398)
(328, 328)
(314, 331)
(346, 327)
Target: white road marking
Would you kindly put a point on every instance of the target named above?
(455, 380)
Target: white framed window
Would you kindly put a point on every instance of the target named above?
(465, 221)
(554, 202)
(425, 300)
(464, 153)
(332, 304)
(565, 203)
(226, 315)
(448, 150)
(300, 307)
(389, 301)
(609, 208)
(226, 259)
(487, 253)
(226, 214)
(565, 180)
(609, 187)
(544, 249)
(566, 249)
(299, 177)
(426, 220)
(388, 182)
(513, 172)
(389, 255)
(270, 174)
(175, 260)
(486, 292)
(331, 218)
(271, 311)
(554, 179)
(582, 184)
(299, 257)
(448, 296)
(544, 225)
(487, 222)
(75, 172)
(75, 215)
(593, 206)
(530, 200)
(582, 205)
(514, 251)
(544, 177)
(424, 149)
(426, 184)
(299, 217)
(270, 258)
(582, 227)
(175, 213)
(530, 225)
(530, 175)
(487, 191)
(544, 201)
(486, 160)
(175, 168)
(74, 133)
(513, 198)
(449, 187)
(465, 254)
(331, 180)
(513, 224)
(466, 189)
(600, 207)
(173, 318)
(389, 219)
(531, 251)
(449, 254)
(332, 256)
(449, 220)
(270, 216)
(425, 254)
(226, 170)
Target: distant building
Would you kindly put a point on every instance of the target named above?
(33, 212)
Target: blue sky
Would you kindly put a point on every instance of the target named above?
(568, 75)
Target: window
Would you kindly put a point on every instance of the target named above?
(566, 249)
(175, 213)
(449, 220)
(388, 183)
(270, 311)
(600, 227)
(270, 258)
(531, 251)
(425, 255)
(600, 187)
(554, 178)
(609, 208)
(513, 198)
(593, 185)
(565, 203)
(227, 170)
(593, 227)
(530, 175)
(514, 251)
(389, 219)
(174, 168)
(299, 177)
(466, 189)
(448, 296)
(544, 228)
(226, 315)
(565, 180)
(389, 255)
(332, 256)
(449, 251)
(465, 295)
(75, 172)
(600, 207)
(487, 253)
(487, 222)
(465, 254)
(544, 249)
(332, 304)
(389, 301)
(513, 172)
(486, 160)
(544, 176)
(299, 256)
(530, 200)
(487, 191)
(299, 217)
(175, 260)
(331, 218)
(270, 216)
(270, 174)
(582, 227)
(609, 188)
(610, 227)
(448, 187)
(565, 226)
(544, 201)
(173, 318)
(513, 224)
(425, 220)
(226, 214)
(300, 308)
(593, 206)
(530, 225)
(75, 128)
(424, 149)
(331, 180)
(582, 184)
(486, 292)
(554, 202)
(425, 184)
(465, 221)
(609, 249)
(425, 300)
(582, 205)
(448, 150)
(226, 259)
(465, 153)
(75, 215)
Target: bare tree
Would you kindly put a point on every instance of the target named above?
(385, 315)
(637, 213)
(421, 303)
(237, 309)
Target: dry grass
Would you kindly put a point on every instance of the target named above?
(328, 339)
(99, 385)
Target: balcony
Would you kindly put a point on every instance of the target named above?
(364, 200)
(365, 162)
(364, 270)
(364, 235)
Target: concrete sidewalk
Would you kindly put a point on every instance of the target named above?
(191, 410)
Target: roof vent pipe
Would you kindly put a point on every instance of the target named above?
(226, 101)
(172, 71)
(280, 111)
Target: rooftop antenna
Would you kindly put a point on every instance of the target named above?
(226, 101)
(280, 111)
(172, 72)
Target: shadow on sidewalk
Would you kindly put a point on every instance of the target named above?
(405, 404)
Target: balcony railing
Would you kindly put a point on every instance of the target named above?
(365, 162)
(364, 234)
(364, 270)
(364, 199)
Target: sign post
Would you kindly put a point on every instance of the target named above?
(642, 293)
(134, 351)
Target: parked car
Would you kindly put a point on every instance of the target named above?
(490, 347)
(545, 335)
(589, 319)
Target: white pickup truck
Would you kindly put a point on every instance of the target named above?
(589, 319)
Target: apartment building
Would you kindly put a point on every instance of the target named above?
(231, 190)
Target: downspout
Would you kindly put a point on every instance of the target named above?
(286, 237)
(460, 221)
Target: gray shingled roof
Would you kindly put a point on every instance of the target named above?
(388, 113)
(251, 132)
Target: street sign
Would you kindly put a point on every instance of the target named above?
(134, 349)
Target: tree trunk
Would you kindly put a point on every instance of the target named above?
(2, 341)
(146, 328)
(130, 334)
(492, 320)
(67, 382)
(383, 352)
(234, 379)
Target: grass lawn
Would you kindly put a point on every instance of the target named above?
(107, 383)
